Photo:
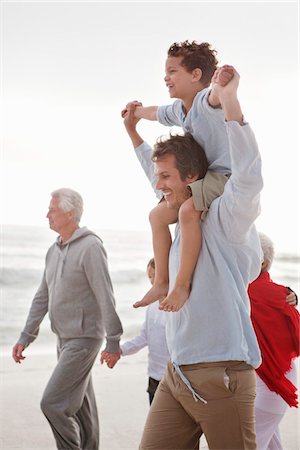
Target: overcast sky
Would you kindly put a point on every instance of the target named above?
(68, 68)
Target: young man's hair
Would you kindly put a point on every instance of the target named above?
(195, 55)
(189, 155)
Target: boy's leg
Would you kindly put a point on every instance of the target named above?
(190, 246)
(160, 219)
(168, 426)
(204, 191)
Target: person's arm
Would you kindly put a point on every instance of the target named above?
(38, 310)
(142, 149)
(96, 270)
(135, 344)
(146, 112)
(240, 202)
(130, 123)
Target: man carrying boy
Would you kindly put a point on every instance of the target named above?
(189, 69)
(209, 384)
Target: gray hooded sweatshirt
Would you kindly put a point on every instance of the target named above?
(77, 292)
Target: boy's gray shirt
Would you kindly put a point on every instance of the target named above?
(77, 292)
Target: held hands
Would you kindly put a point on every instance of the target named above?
(128, 114)
(17, 353)
(131, 105)
(224, 82)
(110, 358)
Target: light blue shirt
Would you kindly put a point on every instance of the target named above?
(214, 324)
(207, 126)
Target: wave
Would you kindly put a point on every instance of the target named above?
(24, 277)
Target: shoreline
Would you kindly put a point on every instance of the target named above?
(121, 397)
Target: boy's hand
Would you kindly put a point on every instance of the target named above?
(131, 105)
(223, 75)
(130, 121)
(110, 358)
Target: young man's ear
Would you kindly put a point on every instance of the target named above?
(192, 178)
(197, 74)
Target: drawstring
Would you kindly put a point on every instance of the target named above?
(64, 260)
(188, 384)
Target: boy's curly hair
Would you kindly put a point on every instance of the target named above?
(195, 55)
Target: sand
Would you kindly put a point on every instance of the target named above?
(121, 396)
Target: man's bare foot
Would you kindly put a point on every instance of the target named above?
(175, 300)
(157, 292)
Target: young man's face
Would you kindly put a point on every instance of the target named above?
(58, 219)
(178, 80)
(169, 182)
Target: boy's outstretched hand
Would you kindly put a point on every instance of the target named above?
(129, 105)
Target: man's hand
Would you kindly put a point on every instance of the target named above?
(130, 122)
(17, 353)
(222, 76)
(110, 358)
(131, 105)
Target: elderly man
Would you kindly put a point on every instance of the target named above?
(77, 293)
(209, 384)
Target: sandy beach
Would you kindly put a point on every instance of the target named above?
(122, 402)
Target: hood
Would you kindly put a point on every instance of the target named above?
(78, 234)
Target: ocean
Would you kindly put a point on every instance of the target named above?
(23, 251)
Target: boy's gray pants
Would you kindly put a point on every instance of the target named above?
(69, 402)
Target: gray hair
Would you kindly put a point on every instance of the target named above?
(69, 200)
(268, 249)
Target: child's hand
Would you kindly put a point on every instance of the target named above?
(223, 75)
(132, 104)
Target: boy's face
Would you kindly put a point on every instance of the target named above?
(151, 274)
(178, 80)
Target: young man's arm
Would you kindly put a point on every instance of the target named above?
(142, 149)
(240, 203)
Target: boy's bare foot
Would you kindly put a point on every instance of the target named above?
(176, 299)
(157, 292)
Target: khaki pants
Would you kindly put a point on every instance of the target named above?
(176, 421)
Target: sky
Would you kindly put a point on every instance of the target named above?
(68, 69)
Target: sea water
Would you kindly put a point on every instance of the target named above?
(22, 262)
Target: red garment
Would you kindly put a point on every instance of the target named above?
(276, 324)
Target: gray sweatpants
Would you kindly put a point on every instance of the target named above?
(69, 402)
